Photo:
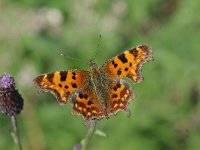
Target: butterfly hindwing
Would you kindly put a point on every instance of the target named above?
(85, 103)
(120, 95)
(128, 64)
(62, 83)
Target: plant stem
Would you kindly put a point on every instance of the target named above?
(85, 142)
(15, 135)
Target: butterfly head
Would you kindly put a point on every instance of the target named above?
(93, 66)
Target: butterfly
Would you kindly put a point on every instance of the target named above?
(99, 92)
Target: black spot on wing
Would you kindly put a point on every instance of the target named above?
(63, 76)
(80, 95)
(85, 96)
(134, 52)
(115, 65)
(50, 77)
(114, 96)
(73, 75)
(119, 72)
(74, 85)
(118, 85)
(90, 102)
(122, 58)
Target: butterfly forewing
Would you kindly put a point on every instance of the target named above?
(62, 83)
(128, 64)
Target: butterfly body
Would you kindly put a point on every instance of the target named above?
(99, 84)
(99, 92)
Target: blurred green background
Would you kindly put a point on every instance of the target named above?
(166, 111)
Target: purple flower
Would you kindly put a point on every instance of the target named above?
(11, 102)
(6, 81)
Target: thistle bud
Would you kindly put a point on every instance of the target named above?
(11, 102)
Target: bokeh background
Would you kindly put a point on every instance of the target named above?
(166, 111)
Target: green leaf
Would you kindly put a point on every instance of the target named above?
(100, 133)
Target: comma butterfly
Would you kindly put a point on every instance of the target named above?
(99, 92)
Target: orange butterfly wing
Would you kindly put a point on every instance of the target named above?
(62, 83)
(120, 95)
(129, 63)
(85, 103)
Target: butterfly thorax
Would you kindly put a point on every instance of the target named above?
(100, 83)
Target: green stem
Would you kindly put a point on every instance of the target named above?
(15, 135)
(86, 141)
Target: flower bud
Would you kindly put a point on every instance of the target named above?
(11, 102)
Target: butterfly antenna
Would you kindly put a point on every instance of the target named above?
(69, 57)
(97, 48)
